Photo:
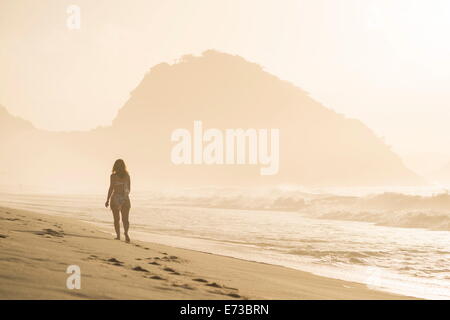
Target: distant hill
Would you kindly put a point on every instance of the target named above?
(10, 126)
(35, 158)
(318, 147)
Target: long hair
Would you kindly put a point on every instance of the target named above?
(120, 169)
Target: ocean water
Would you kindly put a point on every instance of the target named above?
(392, 240)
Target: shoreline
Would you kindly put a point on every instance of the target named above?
(37, 248)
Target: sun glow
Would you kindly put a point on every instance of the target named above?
(415, 29)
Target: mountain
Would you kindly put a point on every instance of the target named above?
(34, 158)
(318, 147)
(11, 125)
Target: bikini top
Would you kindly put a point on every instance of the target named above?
(121, 187)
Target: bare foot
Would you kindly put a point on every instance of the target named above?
(117, 238)
(127, 239)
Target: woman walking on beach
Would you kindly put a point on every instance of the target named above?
(119, 189)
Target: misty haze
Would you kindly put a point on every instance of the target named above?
(187, 150)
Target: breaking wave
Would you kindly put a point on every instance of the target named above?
(387, 208)
(390, 209)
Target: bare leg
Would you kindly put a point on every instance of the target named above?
(116, 214)
(126, 224)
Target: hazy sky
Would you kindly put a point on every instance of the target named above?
(385, 62)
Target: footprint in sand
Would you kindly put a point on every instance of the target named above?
(154, 263)
(115, 262)
(232, 294)
(3, 236)
(218, 286)
(11, 219)
(48, 233)
(213, 284)
(173, 259)
(157, 278)
(184, 286)
(230, 288)
(167, 259)
(140, 269)
(171, 271)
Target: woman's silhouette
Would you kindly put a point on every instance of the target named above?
(119, 189)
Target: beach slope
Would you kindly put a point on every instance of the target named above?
(36, 250)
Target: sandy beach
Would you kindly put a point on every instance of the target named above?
(36, 250)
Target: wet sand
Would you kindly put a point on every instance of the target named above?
(36, 249)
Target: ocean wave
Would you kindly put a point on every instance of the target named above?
(390, 209)
(351, 257)
(387, 209)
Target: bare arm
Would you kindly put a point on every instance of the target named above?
(129, 184)
(110, 190)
